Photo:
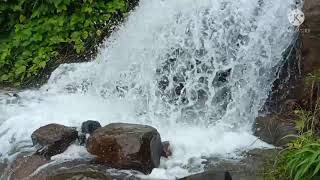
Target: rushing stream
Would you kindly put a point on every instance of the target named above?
(197, 70)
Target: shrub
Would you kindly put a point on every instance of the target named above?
(300, 160)
(35, 31)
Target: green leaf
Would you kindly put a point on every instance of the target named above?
(43, 64)
(22, 18)
(316, 170)
(20, 70)
(4, 77)
(84, 34)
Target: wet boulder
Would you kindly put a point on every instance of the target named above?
(53, 139)
(23, 167)
(275, 130)
(36, 167)
(88, 127)
(127, 146)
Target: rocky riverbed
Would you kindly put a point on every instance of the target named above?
(136, 148)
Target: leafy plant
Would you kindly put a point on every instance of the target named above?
(300, 160)
(305, 162)
(34, 32)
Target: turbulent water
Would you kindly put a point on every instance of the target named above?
(197, 70)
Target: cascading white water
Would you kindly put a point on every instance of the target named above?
(199, 71)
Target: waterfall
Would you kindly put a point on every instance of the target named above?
(199, 71)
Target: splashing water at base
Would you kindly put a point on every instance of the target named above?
(198, 71)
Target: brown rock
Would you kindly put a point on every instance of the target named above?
(35, 167)
(127, 146)
(81, 169)
(23, 167)
(275, 130)
(53, 139)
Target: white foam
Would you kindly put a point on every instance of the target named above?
(73, 152)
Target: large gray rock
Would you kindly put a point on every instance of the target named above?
(53, 139)
(127, 146)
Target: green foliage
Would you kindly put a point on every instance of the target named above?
(305, 121)
(300, 160)
(34, 32)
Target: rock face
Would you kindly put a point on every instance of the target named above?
(127, 146)
(274, 130)
(310, 37)
(53, 139)
(298, 85)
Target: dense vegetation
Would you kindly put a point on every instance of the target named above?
(300, 160)
(35, 32)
